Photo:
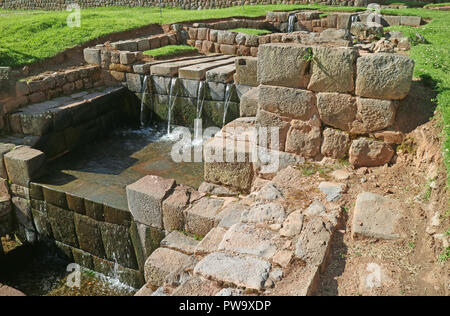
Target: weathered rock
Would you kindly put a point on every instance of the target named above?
(89, 235)
(364, 31)
(92, 56)
(332, 69)
(268, 193)
(172, 208)
(366, 152)
(332, 190)
(335, 143)
(315, 209)
(63, 226)
(238, 175)
(373, 115)
(304, 138)
(383, 46)
(335, 34)
(246, 71)
(23, 164)
(225, 37)
(281, 64)
(337, 110)
(161, 263)
(247, 239)
(200, 217)
(211, 241)
(269, 213)
(384, 76)
(214, 189)
(249, 103)
(292, 225)
(4, 149)
(376, 216)
(118, 245)
(230, 214)
(283, 258)
(271, 120)
(313, 243)
(180, 242)
(145, 198)
(247, 272)
(289, 102)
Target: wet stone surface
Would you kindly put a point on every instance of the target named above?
(101, 170)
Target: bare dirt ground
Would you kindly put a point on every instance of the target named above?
(414, 265)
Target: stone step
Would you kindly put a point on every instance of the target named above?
(223, 74)
(39, 118)
(198, 72)
(144, 69)
(180, 242)
(171, 69)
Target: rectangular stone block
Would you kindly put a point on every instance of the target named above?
(89, 236)
(145, 198)
(249, 103)
(283, 64)
(333, 69)
(92, 56)
(246, 71)
(63, 225)
(288, 102)
(200, 217)
(173, 207)
(23, 164)
(410, 20)
(4, 149)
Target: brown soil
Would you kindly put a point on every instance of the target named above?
(410, 266)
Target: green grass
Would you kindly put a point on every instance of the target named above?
(437, 4)
(170, 50)
(409, 3)
(432, 63)
(251, 31)
(30, 36)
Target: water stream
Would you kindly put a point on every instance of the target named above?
(226, 102)
(143, 90)
(172, 99)
(291, 23)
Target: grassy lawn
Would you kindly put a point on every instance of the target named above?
(432, 62)
(170, 50)
(30, 36)
(251, 31)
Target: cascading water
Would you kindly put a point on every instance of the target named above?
(144, 88)
(172, 99)
(226, 102)
(198, 122)
(291, 23)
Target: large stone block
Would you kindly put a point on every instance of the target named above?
(287, 102)
(92, 56)
(248, 105)
(366, 152)
(173, 206)
(246, 71)
(63, 225)
(247, 272)
(225, 37)
(4, 149)
(281, 64)
(117, 245)
(271, 120)
(335, 143)
(89, 236)
(145, 240)
(200, 217)
(384, 76)
(376, 216)
(269, 213)
(180, 242)
(23, 164)
(304, 138)
(332, 69)
(145, 198)
(373, 115)
(336, 109)
(161, 263)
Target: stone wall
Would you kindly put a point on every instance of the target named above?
(185, 4)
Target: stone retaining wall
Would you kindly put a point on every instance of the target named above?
(185, 4)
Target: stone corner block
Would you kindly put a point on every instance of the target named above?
(145, 198)
(23, 164)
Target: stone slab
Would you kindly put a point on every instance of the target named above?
(171, 69)
(198, 72)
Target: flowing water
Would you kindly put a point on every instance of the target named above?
(143, 90)
(291, 23)
(172, 99)
(226, 102)
(39, 273)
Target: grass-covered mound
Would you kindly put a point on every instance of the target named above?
(251, 31)
(170, 51)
